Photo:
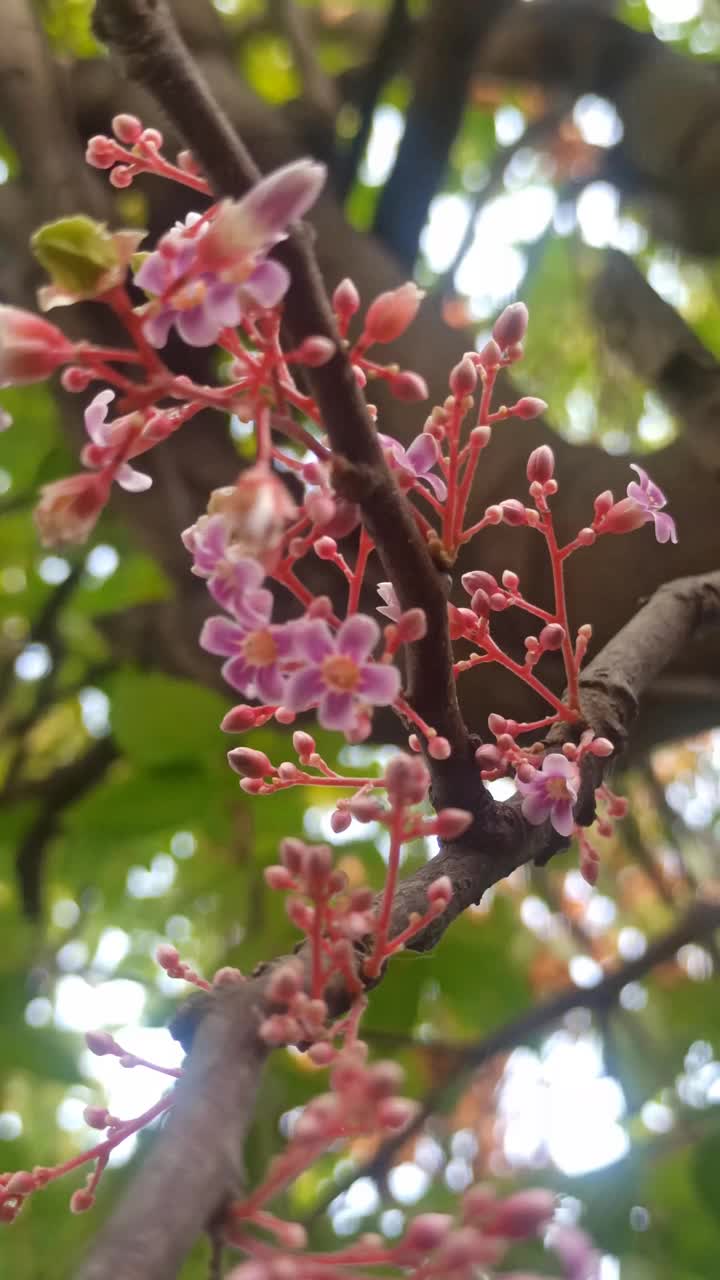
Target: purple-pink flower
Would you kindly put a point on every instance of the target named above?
(255, 649)
(644, 504)
(206, 273)
(414, 465)
(338, 675)
(109, 438)
(551, 793)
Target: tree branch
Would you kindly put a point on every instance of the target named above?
(699, 924)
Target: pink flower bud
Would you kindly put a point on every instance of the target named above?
(322, 1053)
(81, 1201)
(515, 352)
(325, 548)
(523, 1214)
(293, 853)
(345, 300)
(30, 348)
(228, 976)
(238, 719)
(126, 128)
(285, 983)
(409, 386)
(624, 517)
(586, 537)
(601, 747)
(477, 579)
(407, 780)
(21, 1183)
(396, 1113)
(426, 1232)
(441, 890)
(121, 176)
(315, 351)
(167, 956)
(411, 626)
(603, 503)
(463, 378)
(96, 1117)
(491, 356)
(277, 877)
(552, 636)
(340, 820)
(541, 464)
(365, 809)
(249, 763)
(439, 748)
(75, 379)
(451, 823)
(529, 407)
(480, 604)
(513, 512)
(478, 1202)
(510, 581)
(320, 507)
(511, 326)
(101, 1042)
(318, 864)
(101, 152)
(303, 744)
(391, 313)
(151, 138)
(498, 602)
(488, 757)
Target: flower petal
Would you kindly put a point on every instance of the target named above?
(269, 683)
(652, 493)
(198, 326)
(268, 283)
(240, 675)
(556, 765)
(665, 530)
(536, 807)
(336, 711)
(357, 636)
(95, 416)
(131, 480)
(314, 640)
(561, 817)
(304, 689)
(221, 636)
(379, 684)
(157, 325)
(423, 453)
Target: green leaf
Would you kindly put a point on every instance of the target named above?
(159, 720)
(76, 252)
(138, 579)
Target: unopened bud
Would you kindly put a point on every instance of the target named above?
(315, 351)
(345, 299)
(491, 356)
(513, 512)
(126, 128)
(552, 636)
(463, 378)
(391, 313)
(239, 719)
(528, 407)
(541, 464)
(409, 386)
(511, 326)
(249, 763)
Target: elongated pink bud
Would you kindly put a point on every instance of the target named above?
(30, 348)
(391, 313)
(511, 326)
(541, 464)
(529, 407)
(463, 378)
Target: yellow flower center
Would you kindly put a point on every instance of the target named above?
(260, 648)
(557, 788)
(189, 296)
(340, 673)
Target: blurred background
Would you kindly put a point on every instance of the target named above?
(565, 153)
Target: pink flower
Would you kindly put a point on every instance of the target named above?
(112, 439)
(30, 348)
(551, 793)
(205, 275)
(337, 676)
(574, 1249)
(644, 503)
(255, 649)
(244, 520)
(412, 466)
